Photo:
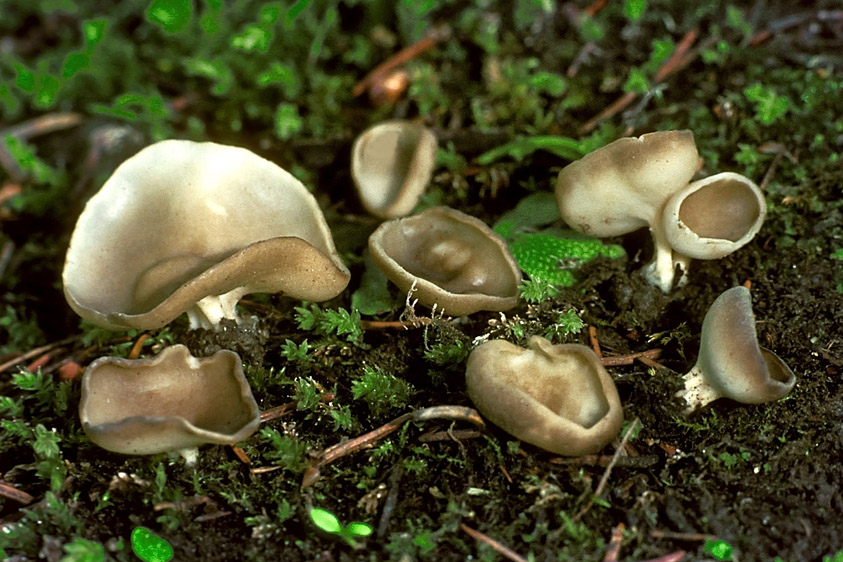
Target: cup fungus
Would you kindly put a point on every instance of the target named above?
(644, 181)
(192, 227)
(557, 397)
(453, 260)
(391, 165)
(170, 402)
(731, 363)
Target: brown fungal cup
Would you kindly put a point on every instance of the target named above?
(192, 227)
(391, 165)
(557, 397)
(453, 260)
(170, 402)
(731, 363)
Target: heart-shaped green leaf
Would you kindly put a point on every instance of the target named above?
(149, 547)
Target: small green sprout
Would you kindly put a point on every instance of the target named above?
(719, 549)
(329, 523)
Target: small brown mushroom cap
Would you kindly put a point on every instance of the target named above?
(731, 363)
(453, 260)
(623, 186)
(557, 397)
(192, 227)
(391, 165)
(714, 216)
(170, 402)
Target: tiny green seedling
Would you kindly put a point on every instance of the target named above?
(329, 523)
(149, 547)
(719, 549)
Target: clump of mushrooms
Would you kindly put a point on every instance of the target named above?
(391, 165)
(557, 397)
(453, 261)
(192, 227)
(731, 363)
(644, 181)
(171, 402)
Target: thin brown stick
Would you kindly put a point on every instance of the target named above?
(496, 546)
(630, 358)
(453, 413)
(614, 549)
(403, 56)
(672, 557)
(606, 473)
(701, 537)
(394, 324)
(595, 343)
(680, 58)
(449, 435)
(42, 125)
(136, 349)
(35, 352)
(9, 491)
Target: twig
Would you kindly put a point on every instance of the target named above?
(677, 60)
(606, 473)
(43, 125)
(395, 324)
(284, 409)
(614, 548)
(672, 557)
(630, 358)
(779, 150)
(450, 435)
(498, 547)
(329, 455)
(9, 491)
(35, 352)
(595, 343)
(401, 57)
(657, 534)
(136, 349)
(391, 500)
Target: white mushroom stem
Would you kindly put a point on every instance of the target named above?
(662, 270)
(698, 392)
(209, 311)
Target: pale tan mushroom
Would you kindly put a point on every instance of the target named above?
(192, 227)
(170, 402)
(731, 363)
(391, 165)
(644, 181)
(453, 260)
(713, 217)
(557, 397)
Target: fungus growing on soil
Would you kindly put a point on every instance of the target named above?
(170, 402)
(644, 181)
(391, 165)
(557, 397)
(731, 363)
(192, 227)
(453, 260)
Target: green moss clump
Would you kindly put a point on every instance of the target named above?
(554, 259)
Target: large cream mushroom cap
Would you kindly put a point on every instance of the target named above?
(622, 186)
(170, 402)
(192, 227)
(391, 165)
(731, 363)
(451, 260)
(557, 397)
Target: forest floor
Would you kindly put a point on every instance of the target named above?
(514, 91)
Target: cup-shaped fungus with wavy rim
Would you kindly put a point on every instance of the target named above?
(170, 402)
(713, 217)
(391, 165)
(451, 259)
(192, 227)
(731, 364)
(644, 181)
(557, 397)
